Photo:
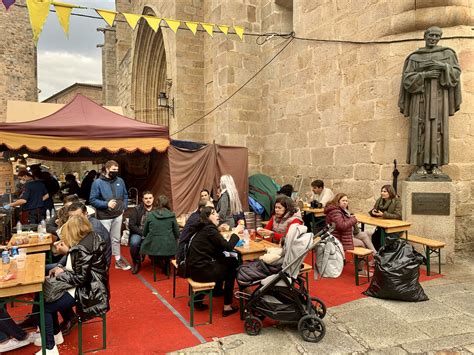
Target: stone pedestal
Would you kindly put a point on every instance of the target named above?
(432, 226)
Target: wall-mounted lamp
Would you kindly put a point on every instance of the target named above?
(163, 101)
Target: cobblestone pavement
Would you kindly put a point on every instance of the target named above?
(444, 324)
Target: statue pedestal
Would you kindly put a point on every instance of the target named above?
(431, 208)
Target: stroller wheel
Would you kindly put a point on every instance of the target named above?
(253, 325)
(319, 307)
(311, 328)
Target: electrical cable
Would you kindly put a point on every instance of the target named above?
(240, 88)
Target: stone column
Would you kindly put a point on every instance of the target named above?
(430, 216)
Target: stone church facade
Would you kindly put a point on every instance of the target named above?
(324, 110)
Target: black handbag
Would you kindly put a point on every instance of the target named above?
(54, 289)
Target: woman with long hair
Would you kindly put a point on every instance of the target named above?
(387, 206)
(83, 281)
(206, 261)
(229, 204)
(346, 229)
(285, 215)
(161, 233)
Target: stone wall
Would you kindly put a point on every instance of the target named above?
(109, 65)
(18, 75)
(324, 110)
(331, 108)
(93, 92)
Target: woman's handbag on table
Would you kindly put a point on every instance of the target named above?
(54, 289)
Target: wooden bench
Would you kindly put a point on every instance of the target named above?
(431, 247)
(363, 253)
(305, 270)
(197, 288)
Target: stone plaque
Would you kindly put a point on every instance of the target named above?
(431, 203)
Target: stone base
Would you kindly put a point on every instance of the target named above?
(429, 177)
(435, 227)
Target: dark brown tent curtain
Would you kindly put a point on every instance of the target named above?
(192, 171)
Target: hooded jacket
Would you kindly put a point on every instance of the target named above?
(344, 225)
(161, 232)
(89, 276)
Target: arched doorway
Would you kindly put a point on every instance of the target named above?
(149, 73)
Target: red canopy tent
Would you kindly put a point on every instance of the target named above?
(84, 130)
(84, 125)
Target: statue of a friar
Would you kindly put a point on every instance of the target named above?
(430, 92)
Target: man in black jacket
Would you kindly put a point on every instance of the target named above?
(136, 223)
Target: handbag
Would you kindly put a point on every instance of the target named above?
(54, 289)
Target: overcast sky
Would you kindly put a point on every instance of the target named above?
(62, 61)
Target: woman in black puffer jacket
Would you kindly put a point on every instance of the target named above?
(84, 280)
(206, 261)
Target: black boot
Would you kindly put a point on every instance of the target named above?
(135, 268)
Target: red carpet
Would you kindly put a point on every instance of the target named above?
(140, 323)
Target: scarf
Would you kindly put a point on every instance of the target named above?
(280, 225)
(383, 205)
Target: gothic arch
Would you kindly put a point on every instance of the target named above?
(149, 73)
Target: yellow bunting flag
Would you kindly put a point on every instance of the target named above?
(153, 22)
(192, 26)
(173, 24)
(223, 28)
(63, 11)
(132, 19)
(239, 30)
(209, 27)
(38, 11)
(107, 15)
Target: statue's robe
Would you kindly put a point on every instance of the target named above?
(429, 103)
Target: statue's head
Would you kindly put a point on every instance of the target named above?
(432, 36)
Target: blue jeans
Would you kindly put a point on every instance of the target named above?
(8, 327)
(51, 310)
(135, 242)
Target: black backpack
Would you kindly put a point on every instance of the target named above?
(182, 262)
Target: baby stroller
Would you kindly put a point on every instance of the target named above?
(284, 296)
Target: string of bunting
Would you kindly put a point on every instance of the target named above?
(39, 9)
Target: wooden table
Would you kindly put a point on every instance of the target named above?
(29, 280)
(35, 244)
(255, 250)
(387, 225)
(317, 212)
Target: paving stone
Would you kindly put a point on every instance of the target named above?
(417, 311)
(469, 348)
(463, 302)
(397, 350)
(441, 327)
(435, 291)
(379, 328)
(448, 342)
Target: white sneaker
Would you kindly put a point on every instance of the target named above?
(58, 339)
(12, 344)
(33, 336)
(53, 351)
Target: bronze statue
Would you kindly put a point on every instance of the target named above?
(430, 92)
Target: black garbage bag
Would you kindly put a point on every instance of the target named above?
(397, 269)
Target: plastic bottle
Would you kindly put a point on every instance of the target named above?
(18, 228)
(53, 213)
(246, 239)
(48, 215)
(42, 228)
